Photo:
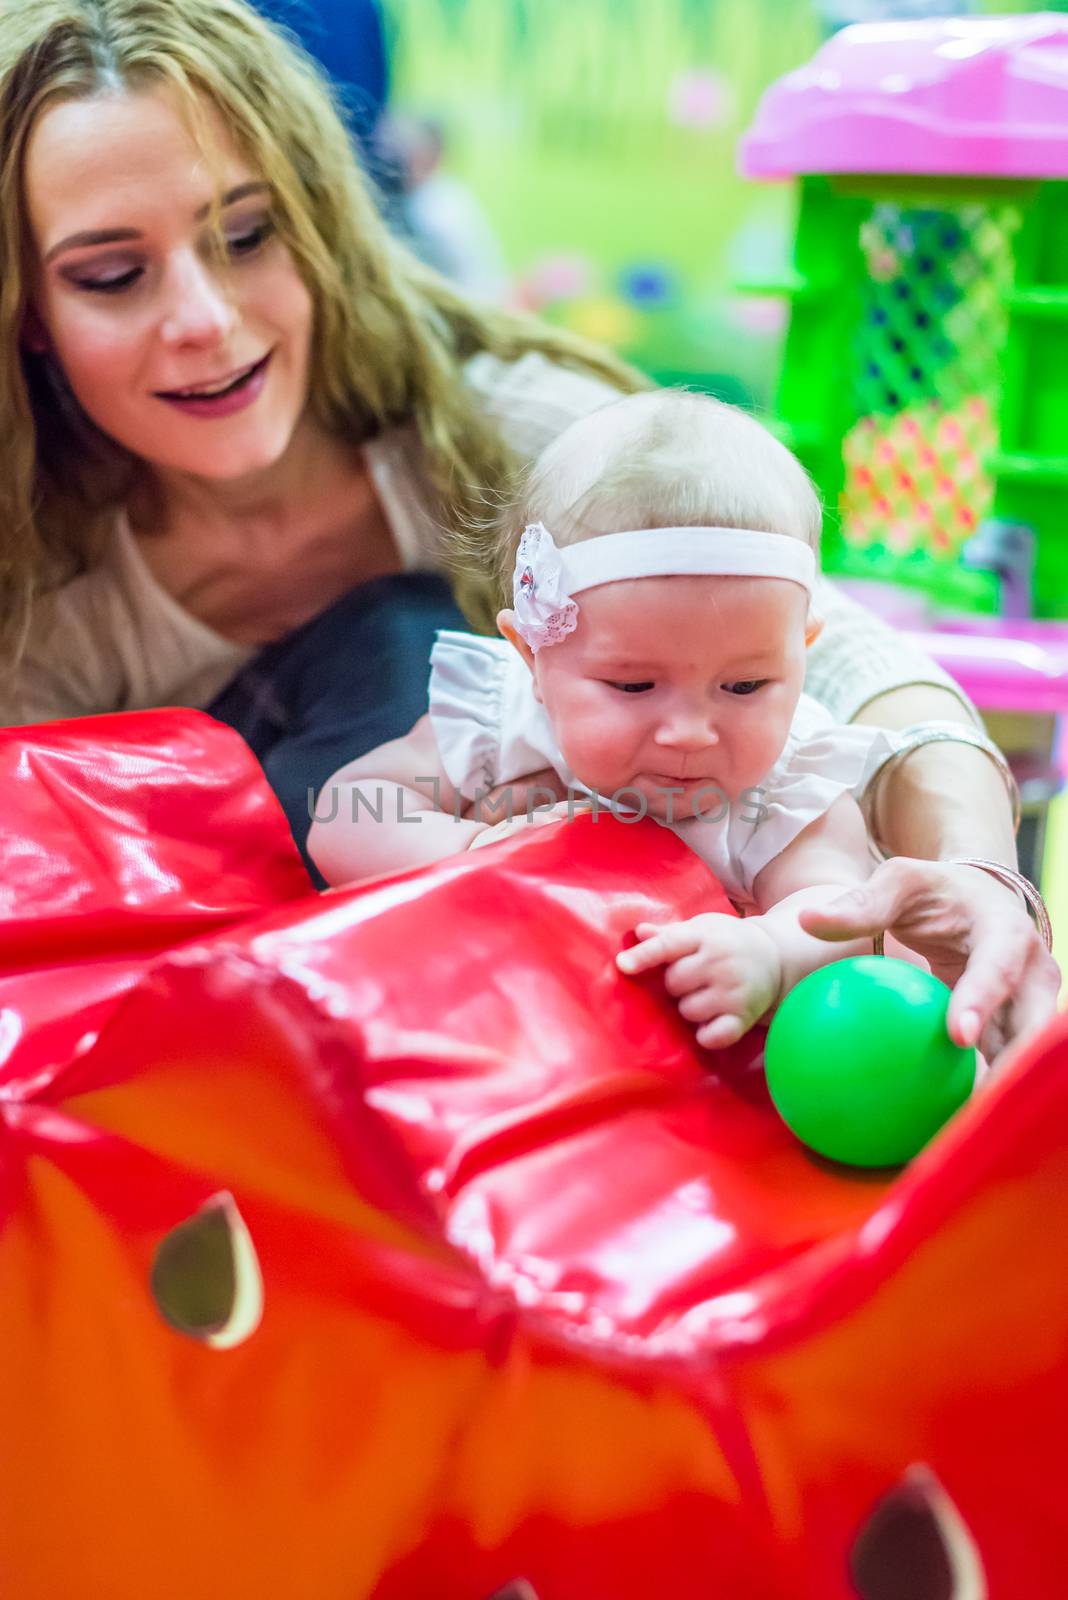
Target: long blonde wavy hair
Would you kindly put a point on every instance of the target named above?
(391, 336)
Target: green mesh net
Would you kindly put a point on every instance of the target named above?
(925, 379)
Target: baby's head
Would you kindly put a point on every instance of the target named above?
(687, 675)
(663, 459)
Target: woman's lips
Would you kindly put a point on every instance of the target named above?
(243, 392)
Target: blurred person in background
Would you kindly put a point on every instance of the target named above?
(444, 221)
(348, 39)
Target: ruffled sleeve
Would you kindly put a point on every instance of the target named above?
(822, 761)
(488, 726)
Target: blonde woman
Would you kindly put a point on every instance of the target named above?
(240, 428)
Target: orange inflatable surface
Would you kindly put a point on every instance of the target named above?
(390, 1243)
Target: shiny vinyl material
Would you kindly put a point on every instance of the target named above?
(484, 1272)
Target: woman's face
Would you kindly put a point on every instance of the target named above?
(196, 364)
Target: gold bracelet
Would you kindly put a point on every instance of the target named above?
(906, 740)
(1013, 880)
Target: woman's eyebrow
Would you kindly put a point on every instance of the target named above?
(91, 236)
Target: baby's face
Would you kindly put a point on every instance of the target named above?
(676, 683)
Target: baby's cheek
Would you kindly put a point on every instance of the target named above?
(597, 749)
(761, 746)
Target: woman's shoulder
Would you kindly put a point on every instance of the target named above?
(69, 665)
(108, 639)
(80, 605)
(533, 399)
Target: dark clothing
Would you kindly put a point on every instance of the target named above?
(348, 680)
(347, 38)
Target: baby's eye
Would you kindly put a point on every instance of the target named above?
(745, 686)
(631, 688)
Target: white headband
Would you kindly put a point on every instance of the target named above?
(546, 578)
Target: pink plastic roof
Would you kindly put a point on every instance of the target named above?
(961, 96)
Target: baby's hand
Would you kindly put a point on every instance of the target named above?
(532, 819)
(725, 970)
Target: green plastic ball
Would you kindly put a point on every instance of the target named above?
(860, 1065)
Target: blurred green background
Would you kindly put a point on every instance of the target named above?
(599, 138)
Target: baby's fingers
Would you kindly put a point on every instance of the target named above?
(723, 1031)
(658, 945)
(703, 1005)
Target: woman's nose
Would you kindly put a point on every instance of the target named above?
(199, 310)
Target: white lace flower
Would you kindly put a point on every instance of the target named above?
(544, 610)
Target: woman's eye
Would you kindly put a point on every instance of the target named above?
(238, 246)
(632, 688)
(113, 284)
(745, 686)
(247, 243)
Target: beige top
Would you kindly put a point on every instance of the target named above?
(113, 639)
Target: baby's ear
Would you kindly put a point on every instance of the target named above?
(813, 628)
(506, 624)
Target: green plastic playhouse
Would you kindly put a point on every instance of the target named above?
(925, 375)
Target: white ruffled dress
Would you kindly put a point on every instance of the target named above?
(491, 730)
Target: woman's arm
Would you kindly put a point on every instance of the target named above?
(941, 803)
(943, 799)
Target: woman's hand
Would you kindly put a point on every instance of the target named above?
(724, 971)
(974, 932)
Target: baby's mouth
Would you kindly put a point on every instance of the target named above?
(667, 780)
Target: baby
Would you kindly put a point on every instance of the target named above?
(664, 553)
